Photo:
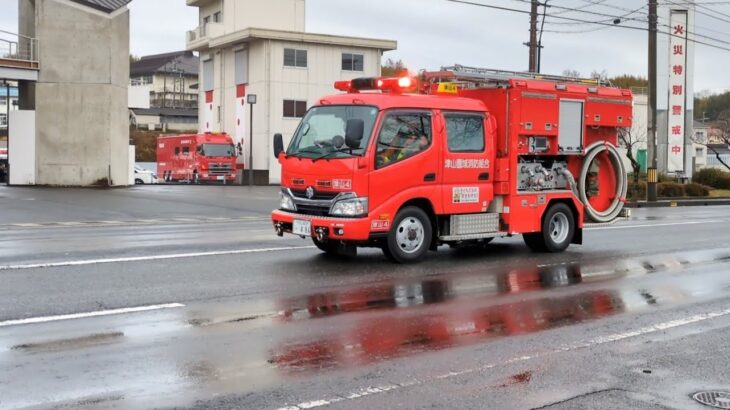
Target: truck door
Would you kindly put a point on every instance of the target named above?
(468, 163)
(406, 161)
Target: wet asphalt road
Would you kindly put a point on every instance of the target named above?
(238, 318)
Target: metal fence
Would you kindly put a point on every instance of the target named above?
(713, 161)
(18, 47)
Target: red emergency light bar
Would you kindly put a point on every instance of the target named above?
(393, 85)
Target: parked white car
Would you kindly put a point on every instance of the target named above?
(144, 176)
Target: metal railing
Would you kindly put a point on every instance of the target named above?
(19, 48)
(712, 159)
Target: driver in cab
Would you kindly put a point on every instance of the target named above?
(407, 143)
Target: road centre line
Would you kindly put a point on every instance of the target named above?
(148, 258)
(372, 390)
(45, 319)
(605, 228)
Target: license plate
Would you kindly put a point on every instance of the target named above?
(221, 178)
(302, 228)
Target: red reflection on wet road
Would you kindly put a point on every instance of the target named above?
(431, 315)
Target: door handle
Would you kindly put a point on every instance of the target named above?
(429, 177)
(484, 176)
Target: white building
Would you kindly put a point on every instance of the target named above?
(260, 47)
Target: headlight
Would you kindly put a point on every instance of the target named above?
(350, 207)
(287, 202)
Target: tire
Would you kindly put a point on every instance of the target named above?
(558, 229)
(138, 182)
(410, 237)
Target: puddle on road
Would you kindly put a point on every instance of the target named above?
(397, 333)
(404, 294)
(400, 318)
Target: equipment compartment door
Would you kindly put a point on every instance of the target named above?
(467, 162)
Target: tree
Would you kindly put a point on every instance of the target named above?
(630, 139)
(393, 68)
(133, 59)
(571, 73)
(629, 81)
(723, 123)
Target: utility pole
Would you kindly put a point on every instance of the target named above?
(651, 188)
(533, 36)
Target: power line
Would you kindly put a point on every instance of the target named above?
(491, 6)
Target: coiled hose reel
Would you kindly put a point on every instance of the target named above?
(622, 184)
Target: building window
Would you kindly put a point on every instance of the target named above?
(699, 152)
(294, 109)
(353, 62)
(241, 59)
(217, 17)
(295, 58)
(3, 120)
(208, 78)
(465, 132)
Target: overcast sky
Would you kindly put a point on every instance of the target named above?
(432, 33)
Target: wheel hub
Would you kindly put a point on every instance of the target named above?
(410, 235)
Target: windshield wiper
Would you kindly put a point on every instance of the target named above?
(325, 155)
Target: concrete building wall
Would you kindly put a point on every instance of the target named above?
(239, 15)
(82, 133)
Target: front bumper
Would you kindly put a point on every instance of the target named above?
(345, 229)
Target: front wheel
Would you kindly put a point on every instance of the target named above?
(558, 228)
(138, 182)
(410, 237)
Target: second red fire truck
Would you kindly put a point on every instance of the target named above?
(196, 158)
(457, 156)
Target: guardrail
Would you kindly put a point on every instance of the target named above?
(18, 50)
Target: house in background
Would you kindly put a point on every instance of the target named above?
(163, 92)
(261, 47)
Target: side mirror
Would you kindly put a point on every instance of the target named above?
(354, 132)
(278, 145)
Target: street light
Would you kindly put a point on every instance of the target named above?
(251, 99)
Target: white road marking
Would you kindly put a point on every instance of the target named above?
(110, 312)
(605, 228)
(148, 258)
(353, 395)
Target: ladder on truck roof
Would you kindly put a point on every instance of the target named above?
(475, 74)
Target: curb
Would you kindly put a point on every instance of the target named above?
(677, 203)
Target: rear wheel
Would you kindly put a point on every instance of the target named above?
(558, 228)
(410, 237)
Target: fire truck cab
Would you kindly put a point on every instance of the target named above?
(417, 164)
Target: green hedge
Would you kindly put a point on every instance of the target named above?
(694, 189)
(712, 177)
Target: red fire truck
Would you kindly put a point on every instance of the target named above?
(196, 158)
(452, 157)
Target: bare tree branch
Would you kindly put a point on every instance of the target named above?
(630, 138)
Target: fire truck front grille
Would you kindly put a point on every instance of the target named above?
(318, 195)
(220, 169)
(316, 210)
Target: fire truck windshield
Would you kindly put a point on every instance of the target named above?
(218, 150)
(322, 131)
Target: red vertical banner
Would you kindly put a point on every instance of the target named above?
(208, 112)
